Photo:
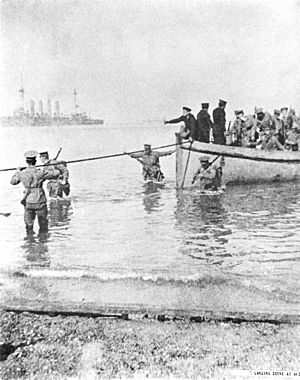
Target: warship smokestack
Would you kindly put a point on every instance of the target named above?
(41, 108)
(49, 110)
(57, 111)
(32, 114)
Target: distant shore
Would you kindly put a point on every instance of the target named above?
(72, 347)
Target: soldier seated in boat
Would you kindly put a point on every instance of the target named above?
(208, 175)
(57, 188)
(150, 161)
(269, 141)
(292, 141)
(264, 119)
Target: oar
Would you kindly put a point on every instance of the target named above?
(6, 214)
(186, 166)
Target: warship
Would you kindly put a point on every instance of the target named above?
(22, 117)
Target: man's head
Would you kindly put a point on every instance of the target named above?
(222, 103)
(204, 160)
(239, 113)
(205, 106)
(30, 157)
(277, 113)
(186, 110)
(259, 113)
(283, 111)
(147, 148)
(44, 157)
(268, 131)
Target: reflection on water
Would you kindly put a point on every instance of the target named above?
(36, 249)
(202, 219)
(35, 246)
(59, 213)
(151, 197)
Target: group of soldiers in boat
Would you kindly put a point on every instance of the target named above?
(263, 130)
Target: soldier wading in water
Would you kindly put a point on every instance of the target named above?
(208, 175)
(150, 161)
(59, 186)
(34, 199)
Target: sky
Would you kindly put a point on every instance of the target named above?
(136, 60)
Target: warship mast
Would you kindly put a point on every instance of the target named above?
(75, 100)
(22, 91)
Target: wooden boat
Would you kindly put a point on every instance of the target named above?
(242, 165)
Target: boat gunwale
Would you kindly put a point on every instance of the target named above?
(226, 153)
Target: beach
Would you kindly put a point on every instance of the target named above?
(72, 347)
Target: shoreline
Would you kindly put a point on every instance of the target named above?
(73, 347)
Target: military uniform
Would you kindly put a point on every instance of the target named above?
(190, 124)
(219, 117)
(204, 124)
(151, 165)
(34, 199)
(293, 140)
(57, 187)
(209, 178)
(270, 142)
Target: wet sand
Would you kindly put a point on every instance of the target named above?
(71, 347)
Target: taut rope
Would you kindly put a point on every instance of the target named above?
(98, 157)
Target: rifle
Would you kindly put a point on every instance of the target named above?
(58, 153)
(215, 159)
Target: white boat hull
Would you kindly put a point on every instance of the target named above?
(242, 165)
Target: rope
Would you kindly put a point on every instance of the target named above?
(97, 158)
(187, 163)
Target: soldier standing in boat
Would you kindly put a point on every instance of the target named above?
(34, 199)
(237, 128)
(208, 175)
(60, 186)
(279, 128)
(189, 130)
(150, 161)
(219, 117)
(204, 123)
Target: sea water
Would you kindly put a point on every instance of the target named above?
(113, 228)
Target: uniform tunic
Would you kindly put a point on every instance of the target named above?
(204, 124)
(151, 165)
(270, 142)
(57, 187)
(190, 123)
(219, 117)
(34, 199)
(207, 177)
